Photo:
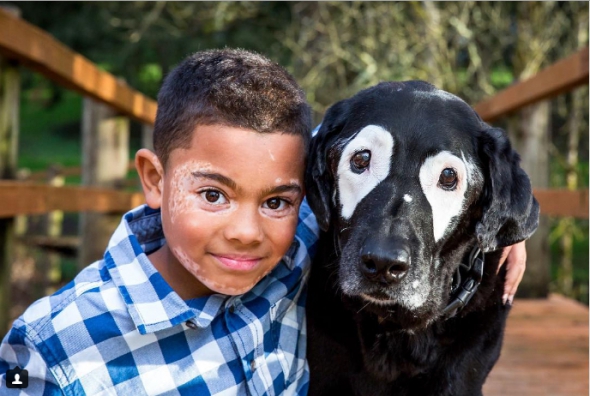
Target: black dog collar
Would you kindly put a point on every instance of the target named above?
(462, 291)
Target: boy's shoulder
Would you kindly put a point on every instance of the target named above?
(76, 309)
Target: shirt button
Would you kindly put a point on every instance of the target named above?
(232, 309)
(191, 324)
(253, 365)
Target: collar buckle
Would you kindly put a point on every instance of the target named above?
(462, 292)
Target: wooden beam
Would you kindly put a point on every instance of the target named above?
(39, 51)
(563, 203)
(19, 198)
(556, 79)
(40, 176)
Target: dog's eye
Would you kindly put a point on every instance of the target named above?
(448, 179)
(360, 161)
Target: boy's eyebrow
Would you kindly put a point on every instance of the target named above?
(217, 177)
(293, 187)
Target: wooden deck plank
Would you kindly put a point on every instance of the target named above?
(545, 350)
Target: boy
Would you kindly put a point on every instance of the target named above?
(180, 304)
(199, 292)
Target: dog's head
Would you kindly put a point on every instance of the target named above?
(408, 177)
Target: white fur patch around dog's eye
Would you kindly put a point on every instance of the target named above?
(353, 187)
(445, 204)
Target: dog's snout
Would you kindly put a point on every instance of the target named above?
(384, 264)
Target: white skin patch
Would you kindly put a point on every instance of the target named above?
(353, 187)
(201, 274)
(407, 198)
(182, 185)
(445, 204)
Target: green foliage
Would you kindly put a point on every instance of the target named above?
(46, 131)
(150, 76)
(558, 174)
(580, 258)
(501, 77)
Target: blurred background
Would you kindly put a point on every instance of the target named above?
(334, 49)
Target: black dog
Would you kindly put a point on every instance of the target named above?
(408, 183)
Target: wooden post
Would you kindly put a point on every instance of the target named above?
(530, 131)
(9, 117)
(105, 156)
(51, 261)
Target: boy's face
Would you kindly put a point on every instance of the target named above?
(230, 204)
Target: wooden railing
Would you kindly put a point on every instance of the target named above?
(556, 79)
(29, 46)
(38, 50)
(560, 77)
(22, 198)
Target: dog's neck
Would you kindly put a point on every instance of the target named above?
(466, 281)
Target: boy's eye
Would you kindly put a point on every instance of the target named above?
(214, 197)
(275, 203)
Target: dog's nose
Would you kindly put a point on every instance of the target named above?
(384, 265)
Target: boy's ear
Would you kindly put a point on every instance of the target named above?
(151, 174)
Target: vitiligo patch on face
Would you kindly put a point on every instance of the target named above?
(445, 204)
(182, 195)
(353, 187)
(201, 274)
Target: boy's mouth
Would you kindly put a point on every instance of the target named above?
(238, 262)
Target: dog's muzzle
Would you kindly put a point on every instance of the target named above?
(384, 262)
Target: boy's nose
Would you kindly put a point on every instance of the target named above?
(245, 226)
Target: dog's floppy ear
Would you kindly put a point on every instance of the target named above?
(319, 178)
(510, 212)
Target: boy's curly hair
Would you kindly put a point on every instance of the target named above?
(230, 87)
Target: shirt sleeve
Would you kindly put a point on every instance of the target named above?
(17, 350)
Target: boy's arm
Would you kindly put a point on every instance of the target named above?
(17, 350)
(515, 258)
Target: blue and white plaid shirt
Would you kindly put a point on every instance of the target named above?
(119, 329)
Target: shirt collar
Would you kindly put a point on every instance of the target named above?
(152, 304)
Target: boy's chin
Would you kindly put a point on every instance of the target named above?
(230, 288)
